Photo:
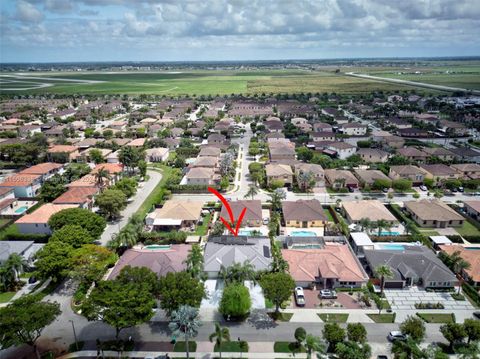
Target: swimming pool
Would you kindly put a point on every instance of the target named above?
(391, 246)
(472, 248)
(389, 233)
(157, 247)
(20, 210)
(303, 234)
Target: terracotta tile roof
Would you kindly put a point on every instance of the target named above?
(332, 261)
(5, 190)
(76, 195)
(42, 168)
(109, 167)
(86, 181)
(471, 256)
(160, 262)
(43, 213)
(20, 180)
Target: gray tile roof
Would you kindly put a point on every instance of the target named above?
(227, 250)
(10, 247)
(414, 261)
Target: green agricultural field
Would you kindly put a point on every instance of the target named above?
(193, 83)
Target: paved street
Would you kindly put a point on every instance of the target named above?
(142, 193)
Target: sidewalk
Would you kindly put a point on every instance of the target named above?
(208, 355)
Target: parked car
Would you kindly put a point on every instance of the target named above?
(396, 335)
(350, 189)
(299, 296)
(266, 220)
(423, 187)
(328, 294)
(385, 190)
(454, 190)
(461, 189)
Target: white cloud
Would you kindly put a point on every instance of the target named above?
(27, 12)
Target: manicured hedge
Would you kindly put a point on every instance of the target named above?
(471, 292)
(37, 238)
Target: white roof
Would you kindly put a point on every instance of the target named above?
(440, 240)
(361, 239)
(167, 222)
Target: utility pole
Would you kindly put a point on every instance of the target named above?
(74, 334)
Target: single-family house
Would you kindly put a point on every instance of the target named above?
(353, 129)
(23, 185)
(373, 155)
(37, 221)
(470, 170)
(62, 153)
(322, 136)
(206, 161)
(209, 151)
(440, 172)
(175, 215)
(373, 209)
(340, 179)
(25, 249)
(342, 150)
(332, 266)
(83, 197)
(279, 172)
(316, 171)
(304, 213)
(200, 176)
(470, 255)
(439, 152)
(161, 262)
(225, 251)
(281, 150)
(409, 172)
(414, 265)
(253, 213)
(433, 213)
(158, 154)
(368, 177)
(413, 154)
(472, 208)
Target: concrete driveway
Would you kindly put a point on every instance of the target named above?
(406, 299)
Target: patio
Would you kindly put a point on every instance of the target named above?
(18, 208)
(304, 232)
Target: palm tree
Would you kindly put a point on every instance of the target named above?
(407, 349)
(238, 272)
(221, 335)
(252, 191)
(381, 224)
(100, 176)
(185, 321)
(314, 344)
(194, 262)
(305, 180)
(365, 223)
(459, 267)
(276, 198)
(16, 264)
(383, 271)
(127, 237)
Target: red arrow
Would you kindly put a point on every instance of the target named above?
(230, 213)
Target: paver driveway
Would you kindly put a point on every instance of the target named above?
(406, 299)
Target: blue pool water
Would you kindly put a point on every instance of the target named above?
(392, 246)
(472, 248)
(157, 247)
(307, 246)
(245, 232)
(21, 209)
(389, 233)
(303, 234)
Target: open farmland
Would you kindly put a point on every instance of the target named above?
(192, 83)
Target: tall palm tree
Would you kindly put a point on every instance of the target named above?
(252, 191)
(365, 223)
(185, 321)
(221, 335)
(194, 262)
(100, 177)
(383, 271)
(238, 272)
(276, 198)
(381, 224)
(314, 344)
(459, 267)
(305, 180)
(16, 264)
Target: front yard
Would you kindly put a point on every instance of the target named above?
(437, 317)
(333, 317)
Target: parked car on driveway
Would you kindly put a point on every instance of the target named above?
(396, 335)
(423, 188)
(299, 296)
(328, 294)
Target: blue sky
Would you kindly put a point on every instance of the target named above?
(186, 30)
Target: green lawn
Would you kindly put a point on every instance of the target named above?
(287, 347)
(180, 346)
(201, 230)
(6, 296)
(382, 318)
(334, 317)
(231, 346)
(437, 317)
(329, 215)
(202, 83)
(281, 317)
(467, 229)
(11, 229)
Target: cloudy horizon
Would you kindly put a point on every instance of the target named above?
(235, 30)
